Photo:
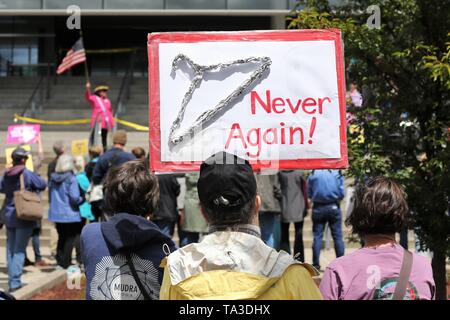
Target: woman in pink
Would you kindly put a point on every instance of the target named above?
(373, 272)
(101, 110)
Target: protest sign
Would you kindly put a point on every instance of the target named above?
(276, 98)
(80, 147)
(23, 133)
(9, 151)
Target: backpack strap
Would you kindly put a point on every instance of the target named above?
(403, 279)
(136, 276)
(22, 183)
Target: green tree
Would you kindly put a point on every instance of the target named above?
(402, 129)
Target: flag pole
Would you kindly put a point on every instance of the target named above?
(86, 70)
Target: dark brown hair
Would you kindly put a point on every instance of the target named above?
(243, 215)
(380, 208)
(138, 152)
(131, 188)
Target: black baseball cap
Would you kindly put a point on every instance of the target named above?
(19, 154)
(226, 182)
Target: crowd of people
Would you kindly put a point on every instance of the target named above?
(233, 226)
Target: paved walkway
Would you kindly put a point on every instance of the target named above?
(32, 274)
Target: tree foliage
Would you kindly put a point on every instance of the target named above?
(403, 69)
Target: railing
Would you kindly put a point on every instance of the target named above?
(124, 93)
(42, 89)
(18, 70)
(35, 101)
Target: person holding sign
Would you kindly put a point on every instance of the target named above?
(101, 109)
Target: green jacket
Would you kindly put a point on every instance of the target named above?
(269, 190)
(193, 218)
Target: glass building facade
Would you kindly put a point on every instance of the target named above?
(33, 33)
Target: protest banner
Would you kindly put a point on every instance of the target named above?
(80, 147)
(276, 98)
(23, 133)
(9, 151)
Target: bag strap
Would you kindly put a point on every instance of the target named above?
(403, 279)
(22, 183)
(136, 277)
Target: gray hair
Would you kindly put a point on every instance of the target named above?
(79, 163)
(59, 147)
(65, 163)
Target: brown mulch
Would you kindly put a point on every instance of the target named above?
(61, 292)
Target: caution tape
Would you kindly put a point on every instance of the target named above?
(52, 122)
(132, 125)
(129, 124)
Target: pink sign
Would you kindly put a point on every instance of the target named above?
(26, 133)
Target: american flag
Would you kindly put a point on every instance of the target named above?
(74, 56)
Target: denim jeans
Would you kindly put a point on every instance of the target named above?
(189, 237)
(267, 225)
(323, 214)
(167, 226)
(36, 245)
(16, 244)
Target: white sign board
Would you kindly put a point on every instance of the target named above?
(275, 98)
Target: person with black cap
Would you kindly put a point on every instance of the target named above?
(18, 231)
(101, 110)
(232, 262)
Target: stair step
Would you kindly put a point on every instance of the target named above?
(44, 241)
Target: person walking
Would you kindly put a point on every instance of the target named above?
(122, 256)
(382, 269)
(294, 206)
(232, 262)
(326, 190)
(166, 215)
(18, 231)
(192, 221)
(269, 190)
(101, 111)
(64, 209)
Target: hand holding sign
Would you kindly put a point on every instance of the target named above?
(26, 133)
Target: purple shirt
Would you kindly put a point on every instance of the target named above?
(372, 274)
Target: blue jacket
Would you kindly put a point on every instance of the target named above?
(66, 198)
(108, 275)
(85, 207)
(326, 186)
(11, 183)
(112, 158)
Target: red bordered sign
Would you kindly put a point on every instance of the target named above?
(326, 133)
